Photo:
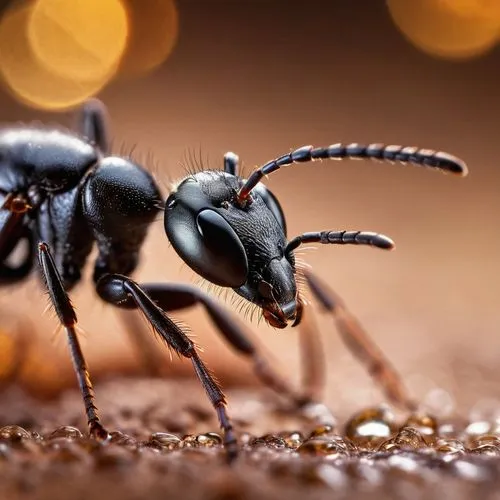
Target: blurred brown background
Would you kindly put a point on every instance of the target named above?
(262, 77)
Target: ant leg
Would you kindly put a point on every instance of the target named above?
(67, 317)
(92, 124)
(360, 344)
(312, 355)
(123, 292)
(231, 163)
(172, 297)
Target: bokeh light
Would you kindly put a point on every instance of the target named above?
(81, 39)
(153, 31)
(27, 78)
(478, 8)
(451, 29)
(54, 54)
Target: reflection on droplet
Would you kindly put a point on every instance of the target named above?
(370, 427)
(425, 424)
(450, 446)
(26, 78)
(164, 441)
(292, 439)
(407, 438)
(81, 40)
(269, 441)
(153, 32)
(324, 445)
(322, 430)
(14, 433)
(66, 432)
(486, 444)
(442, 31)
(209, 439)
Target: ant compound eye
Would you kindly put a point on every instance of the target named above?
(220, 239)
(203, 238)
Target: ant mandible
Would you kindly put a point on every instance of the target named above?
(62, 192)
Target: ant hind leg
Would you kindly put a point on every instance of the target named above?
(361, 345)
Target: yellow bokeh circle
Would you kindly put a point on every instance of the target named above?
(474, 8)
(28, 79)
(153, 32)
(443, 30)
(81, 40)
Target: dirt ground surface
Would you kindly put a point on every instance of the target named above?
(165, 443)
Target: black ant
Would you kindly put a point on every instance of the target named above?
(61, 192)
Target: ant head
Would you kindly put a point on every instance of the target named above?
(240, 247)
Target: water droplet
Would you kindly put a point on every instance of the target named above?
(450, 446)
(37, 437)
(292, 439)
(323, 445)
(423, 423)
(270, 441)
(189, 441)
(370, 427)
(322, 430)
(209, 439)
(390, 445)
(14, 434)
(408, 437)
(487, 444)
(165, 440)
(66, 432)
(121, 439)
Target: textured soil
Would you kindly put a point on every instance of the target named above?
(165, 443)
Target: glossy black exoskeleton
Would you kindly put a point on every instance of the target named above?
(63, 192)
(232, 231)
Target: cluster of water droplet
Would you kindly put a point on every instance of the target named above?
(370, 445)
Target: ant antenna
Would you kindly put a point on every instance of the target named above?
(342, 238)
(404, 154)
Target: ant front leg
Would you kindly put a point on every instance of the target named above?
(360, 344)
(67, 317)
(171, 297)
(124, 292)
